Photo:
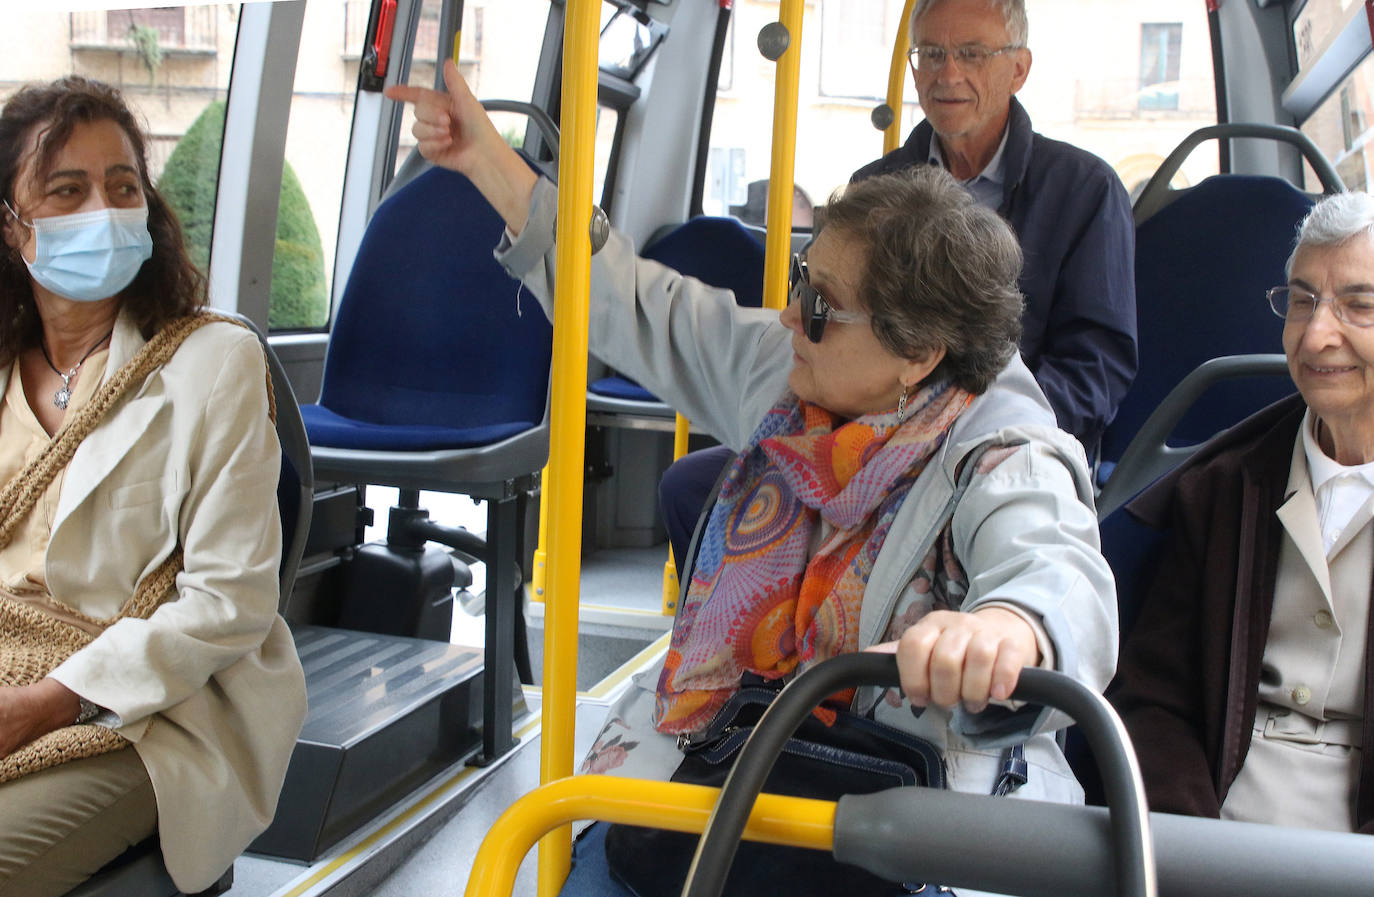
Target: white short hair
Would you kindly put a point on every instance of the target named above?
(1013, 12)
(1334, 220)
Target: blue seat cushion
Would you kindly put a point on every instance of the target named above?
(328, 429)
(717, 251)
(622, 388)
(432, 338)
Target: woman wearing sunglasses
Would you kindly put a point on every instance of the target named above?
(838, 527)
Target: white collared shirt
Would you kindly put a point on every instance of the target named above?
(986, 185)
(1340, 490)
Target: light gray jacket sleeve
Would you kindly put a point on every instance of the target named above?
(719, 365)
(1027, 535)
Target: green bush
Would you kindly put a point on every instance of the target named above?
(299, 298)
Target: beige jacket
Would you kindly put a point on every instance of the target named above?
(209, 688)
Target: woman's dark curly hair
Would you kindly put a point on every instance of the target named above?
(167, 286)
(939, 270)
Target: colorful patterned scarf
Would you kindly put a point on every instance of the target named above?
(759, 601)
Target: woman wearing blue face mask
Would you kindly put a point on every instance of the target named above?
(143, 667)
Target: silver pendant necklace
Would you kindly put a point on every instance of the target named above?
(63, 396)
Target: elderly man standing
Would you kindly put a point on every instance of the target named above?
(1068, 208)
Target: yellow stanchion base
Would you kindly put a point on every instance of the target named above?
(538, 576)
(670, 587)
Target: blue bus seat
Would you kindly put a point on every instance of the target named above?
(1204, 257)
(1203, 264)
(139, 871)
(721, 252)
(1150, 454)
(436, 378)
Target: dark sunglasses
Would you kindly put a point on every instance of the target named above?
(815, 311)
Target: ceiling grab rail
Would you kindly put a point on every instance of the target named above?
(567, 439)
(780, 42)
(886, 116)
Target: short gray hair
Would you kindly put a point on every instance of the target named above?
(939, 271)
(1013, 13)
(1334, 220)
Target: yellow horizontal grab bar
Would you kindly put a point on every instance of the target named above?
(795, 821)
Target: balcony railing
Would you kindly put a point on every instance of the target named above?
(190, 29)
(1125, 98)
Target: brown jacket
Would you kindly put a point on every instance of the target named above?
(1188, 682)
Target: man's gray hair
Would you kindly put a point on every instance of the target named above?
(938, 271)
(1334, 220)
(1013, 13)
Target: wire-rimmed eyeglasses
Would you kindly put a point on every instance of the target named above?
(815, 311)
(932, 57)
(1297, 304)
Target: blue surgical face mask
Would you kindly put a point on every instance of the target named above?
(90, 256)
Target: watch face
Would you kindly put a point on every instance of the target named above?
(88, 711)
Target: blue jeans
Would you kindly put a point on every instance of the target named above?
(590, 875)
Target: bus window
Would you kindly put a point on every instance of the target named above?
(316, 152)
(498, 54)
(1126, 81)
(172, 64)
(1340, 125)
(607, 133)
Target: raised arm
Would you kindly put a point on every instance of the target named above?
(454, 131)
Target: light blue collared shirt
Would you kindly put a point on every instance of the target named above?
(986, 185)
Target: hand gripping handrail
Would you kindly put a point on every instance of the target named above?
(1134, 853)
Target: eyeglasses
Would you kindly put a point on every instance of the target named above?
(815, 311)
(1296, 304)
(932, 57)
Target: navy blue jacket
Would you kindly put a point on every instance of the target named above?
(1073, 218)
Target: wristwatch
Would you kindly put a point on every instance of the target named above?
(88, 711)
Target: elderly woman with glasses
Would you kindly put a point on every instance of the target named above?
(839, 527)
(1246, 684)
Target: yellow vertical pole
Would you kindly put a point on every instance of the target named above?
(569, 397)
(778, 248)
(670, 583)
(896, 81)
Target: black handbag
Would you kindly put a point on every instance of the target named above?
(856, 755)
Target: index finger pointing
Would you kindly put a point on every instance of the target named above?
(407, 93)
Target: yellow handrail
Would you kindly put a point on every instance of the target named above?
(681, 427)
(896, 81)
(569, 416)
(778, 247)
(539, 575)
(795, 821)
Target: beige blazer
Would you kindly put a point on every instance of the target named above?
(209, 688)
(1302, 768)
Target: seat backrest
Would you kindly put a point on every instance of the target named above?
(717, 251)
(1150, 456)
(430, 329)
(296, 482)
(1203, 263)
